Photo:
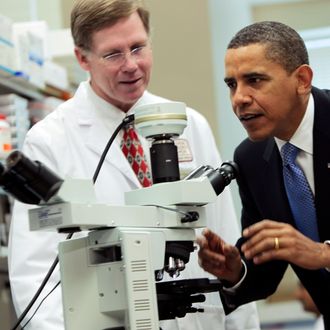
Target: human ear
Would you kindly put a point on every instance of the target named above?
(82, 58)
(304, 75)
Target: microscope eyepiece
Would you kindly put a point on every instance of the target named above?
(221, 177)
(28, 181)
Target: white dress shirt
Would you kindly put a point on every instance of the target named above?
(303, 139)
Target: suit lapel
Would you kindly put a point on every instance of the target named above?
(321, 158)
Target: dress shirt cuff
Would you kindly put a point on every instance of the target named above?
(327, 242)
(233, 289)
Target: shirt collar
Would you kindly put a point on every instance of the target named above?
(302, 138)
(106, 110)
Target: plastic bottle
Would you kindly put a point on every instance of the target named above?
(5, 138)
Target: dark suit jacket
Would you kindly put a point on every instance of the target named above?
(263, 197)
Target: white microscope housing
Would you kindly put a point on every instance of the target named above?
(111, 270)
(109, 276)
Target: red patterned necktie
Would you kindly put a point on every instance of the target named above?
(133, 151)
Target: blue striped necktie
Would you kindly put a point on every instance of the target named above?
(299, 193)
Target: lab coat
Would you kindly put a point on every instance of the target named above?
(70, 141)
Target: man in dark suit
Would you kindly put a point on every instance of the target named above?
(270, 83)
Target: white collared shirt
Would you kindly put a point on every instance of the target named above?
(111, 117)
(303, 139)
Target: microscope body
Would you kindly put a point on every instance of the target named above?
(109, 276)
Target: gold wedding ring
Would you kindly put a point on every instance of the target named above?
(276, 243)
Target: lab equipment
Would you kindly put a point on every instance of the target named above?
(111, 277)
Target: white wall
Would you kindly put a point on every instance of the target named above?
(28, 10)
(222, 30)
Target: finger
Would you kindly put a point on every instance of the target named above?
(206, 232)
(230, 251)
(304, 252)
(214, 241)
(268, 256)
(210, 235)
(262, 235)
(201, 241)
(284, 232)
(282, 252)
(233, 260)
(216, 270)
(267, 244)
(211, 260)
(210, 256)
(210, 264)
(261, 225)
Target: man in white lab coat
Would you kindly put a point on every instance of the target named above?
(113, 45)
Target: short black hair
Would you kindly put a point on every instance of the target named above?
(283, 44)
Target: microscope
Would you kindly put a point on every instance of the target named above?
(112, 269)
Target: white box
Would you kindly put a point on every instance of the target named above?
(6, 44)
(56, 75)
(30, 40)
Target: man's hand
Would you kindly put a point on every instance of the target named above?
(218, 258)
(271, 240)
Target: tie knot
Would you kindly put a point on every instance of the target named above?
(130, 131)
(128, 128)
(289, 153)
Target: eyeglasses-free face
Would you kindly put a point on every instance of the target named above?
(266, 99)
